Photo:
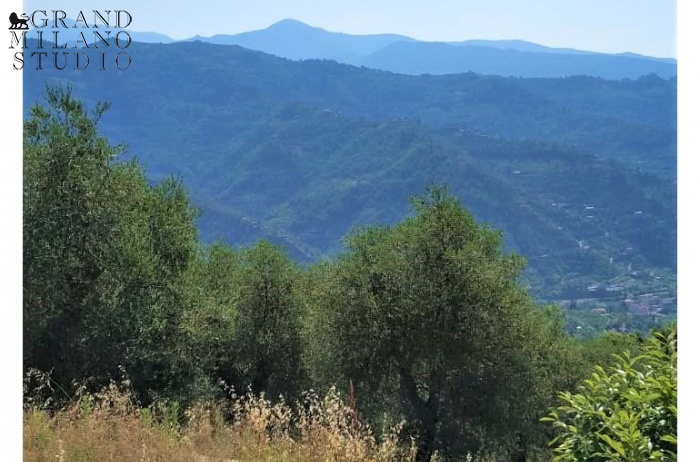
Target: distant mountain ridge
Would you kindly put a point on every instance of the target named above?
(294, 39)
(519, 45)
(73, 31)
(150, 37)
(440, 58)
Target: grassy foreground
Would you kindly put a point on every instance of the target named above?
(110, 427)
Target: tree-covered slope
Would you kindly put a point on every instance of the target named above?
(580, 220)
(300, 152)
(634, 120)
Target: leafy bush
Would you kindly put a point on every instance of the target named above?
(626, 412)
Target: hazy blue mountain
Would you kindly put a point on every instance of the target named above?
(396, 53)
(150, 37)
(441, 58)
(637, 55)
(72, 35)
(519, 45)
(295, 40)
(522, 45)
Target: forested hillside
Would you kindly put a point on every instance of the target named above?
(578, 172)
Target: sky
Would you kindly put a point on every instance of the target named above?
(642, 26)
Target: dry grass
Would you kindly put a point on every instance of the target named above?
(110, 427)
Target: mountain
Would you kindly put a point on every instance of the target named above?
(578, 172)
(150, 37)
(519, 45)
(75, 32)
(293, 39)
(441, 58)
(636, 55)
(522, 45)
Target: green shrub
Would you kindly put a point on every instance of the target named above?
(627, 412)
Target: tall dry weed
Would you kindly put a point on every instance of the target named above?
(110, 426)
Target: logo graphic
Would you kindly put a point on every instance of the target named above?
(94, 38)
(17, 23)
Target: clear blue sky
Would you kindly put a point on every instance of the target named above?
(641, 26)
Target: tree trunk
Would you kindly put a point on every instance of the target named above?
(426, 413)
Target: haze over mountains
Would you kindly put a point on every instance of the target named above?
(293, 39)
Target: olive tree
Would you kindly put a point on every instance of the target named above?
(103, 254)
(430, 312)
